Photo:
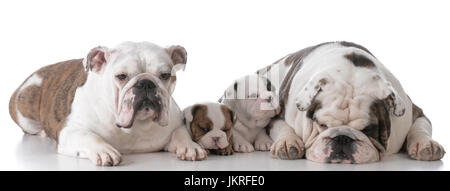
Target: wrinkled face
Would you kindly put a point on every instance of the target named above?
(348, 124)
(140, 77)
(253, 99)
(210, 125)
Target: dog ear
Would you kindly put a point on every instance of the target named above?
(189, 114)
(389, 95)
(381, 112)
(230, 112)
(96, 59)
(306, 96)
(178, 55)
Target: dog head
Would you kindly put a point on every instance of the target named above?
(349, 118)
(254, 100)
(137, 79)
(210, 124)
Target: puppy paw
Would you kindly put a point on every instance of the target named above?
(191, 151)
(243, 147)
(428, 150)
(263, 144)
(288, 148)
(104, 155)
(225, 151)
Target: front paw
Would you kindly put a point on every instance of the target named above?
(104, 155)
(243, 147)
(288, 148)
(428, 150)
(191, 151)
(225, 151)
(263, 144)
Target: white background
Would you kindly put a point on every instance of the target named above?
(228, 39)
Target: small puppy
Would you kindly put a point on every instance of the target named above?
(209, 124)
(254, 101)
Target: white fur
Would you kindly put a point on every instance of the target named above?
(253, 110)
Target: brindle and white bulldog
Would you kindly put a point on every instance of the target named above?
(114, 101)
(346, 107)
(210, 125)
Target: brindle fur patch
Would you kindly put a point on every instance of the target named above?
(200, 120)
(360, 60)
(50, 103)
(418, 112)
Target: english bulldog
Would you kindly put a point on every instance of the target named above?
(254, 100)
(210, 125)
(341, 105)
(114, 101)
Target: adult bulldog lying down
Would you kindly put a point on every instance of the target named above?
(114, 101)
(341, 105)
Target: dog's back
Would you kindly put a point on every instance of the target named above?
(44, 99)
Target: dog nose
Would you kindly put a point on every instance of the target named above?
(145, 85)
(216, 139)
(342, 140)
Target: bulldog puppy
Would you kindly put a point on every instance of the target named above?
(210, 125)
(114, 101)
(254, 101)
(346, 107)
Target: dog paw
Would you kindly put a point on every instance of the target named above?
(243, 147)
(191, 151)
(104, 155)
(225, 151)
(302, 104)
(428, 150)
(263, 145)
(288, 148)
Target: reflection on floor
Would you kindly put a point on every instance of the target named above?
(39, 153)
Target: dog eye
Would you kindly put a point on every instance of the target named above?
(121, 77)
(165, 76)
(323, 126)
(204, 129)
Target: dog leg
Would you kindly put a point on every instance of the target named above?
(182, 145)
(240, 144)
(86, 144)
(420, 145)
(263, 142)
(287, 145)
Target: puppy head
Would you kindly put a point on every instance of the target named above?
(210, 124)
(254, 100)
(138, 79)
(349, 120)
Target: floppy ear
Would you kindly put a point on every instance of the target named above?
(231, 113)
(96, 59)
(189, 114)
(391, 97)
(309, 92)
(380, 110)
(178, 55)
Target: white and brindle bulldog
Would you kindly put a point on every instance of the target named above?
(114, 101)
(341, 105)
(255, 102)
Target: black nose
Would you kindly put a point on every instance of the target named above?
(216, 139)
(342, 140)
(145, 85)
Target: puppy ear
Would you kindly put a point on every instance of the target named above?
(179, 57)
(189, 114)
(96, 59)
(309, 92)
(227, 110)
